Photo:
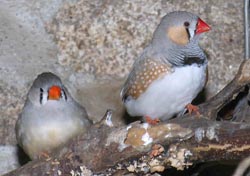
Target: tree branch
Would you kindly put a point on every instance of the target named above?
(181, 142)
(242, 78)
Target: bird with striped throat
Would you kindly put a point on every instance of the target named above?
(170, 72)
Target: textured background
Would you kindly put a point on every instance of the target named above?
(92, 44)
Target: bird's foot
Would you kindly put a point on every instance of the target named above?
(157, 149)
(44, 155)
(151, 121)
(192, 108)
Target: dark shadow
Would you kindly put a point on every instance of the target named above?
(204, 169)
(226, 113)
(22, 157)
(129, 119)
(200, 98)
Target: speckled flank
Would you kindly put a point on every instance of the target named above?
(149, 72)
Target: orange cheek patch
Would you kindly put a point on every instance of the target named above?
(178, 34)
(54, 93)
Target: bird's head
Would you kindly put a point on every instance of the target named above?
(47, 87)
(180, 31)
(180, 28)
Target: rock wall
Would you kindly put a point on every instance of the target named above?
(92, 44)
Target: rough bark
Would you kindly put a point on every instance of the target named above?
(242, 79)
(181, 142)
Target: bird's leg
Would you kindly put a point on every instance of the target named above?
(44, 154)
(192, 108)
(151, 121)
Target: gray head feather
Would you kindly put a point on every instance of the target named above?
(172, 52)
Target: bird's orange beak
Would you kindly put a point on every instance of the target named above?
(202, 27)
(54, 93)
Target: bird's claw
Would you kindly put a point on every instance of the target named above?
(151, 121)
(192, 108)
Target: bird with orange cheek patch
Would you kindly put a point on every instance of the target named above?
(50, 117)
(170, 72)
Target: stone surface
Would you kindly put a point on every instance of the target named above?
(105, 37)
(92, 45)
(8, 158)
(25, 50)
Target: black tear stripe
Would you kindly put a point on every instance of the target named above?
(188, 34)
(125, 98)
(41, 95)
(63, 95)
(193, 60)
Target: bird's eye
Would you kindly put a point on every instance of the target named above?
(186, 24)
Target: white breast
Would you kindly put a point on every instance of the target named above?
(169, 94)
(49, 126)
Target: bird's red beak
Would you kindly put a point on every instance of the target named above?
(54, 93)
(202, 27)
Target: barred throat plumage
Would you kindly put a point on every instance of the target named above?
(187, 55)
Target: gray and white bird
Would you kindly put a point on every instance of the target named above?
(50, 117)
(171, 70)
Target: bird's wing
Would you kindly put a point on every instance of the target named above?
(143, 73)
